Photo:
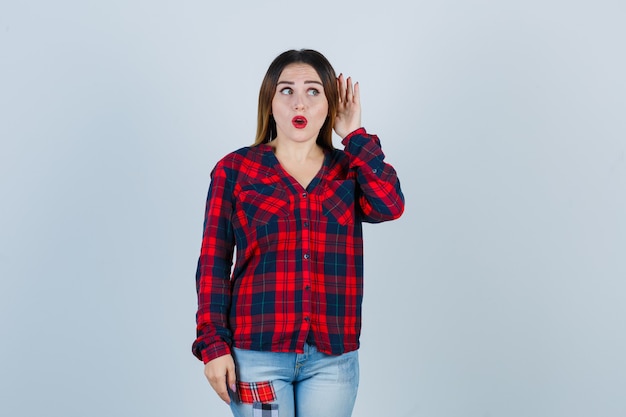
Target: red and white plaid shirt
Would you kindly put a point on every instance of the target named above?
(299, 262)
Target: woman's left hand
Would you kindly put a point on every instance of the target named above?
(348, 117)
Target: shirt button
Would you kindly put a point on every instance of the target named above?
(374, 170)
(306, 256)
(304, 195)
(307, 318)
(308, 288)
(306, 224)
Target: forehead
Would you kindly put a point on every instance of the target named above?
(299, 72)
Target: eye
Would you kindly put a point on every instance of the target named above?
(286, 91)
(313, 92)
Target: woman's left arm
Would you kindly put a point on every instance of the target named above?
(378, 188)
(380, 196)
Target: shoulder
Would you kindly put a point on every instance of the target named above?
(243, 160)
(338, 156)
(241, 156)
(338, 164)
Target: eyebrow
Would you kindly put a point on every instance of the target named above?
(306, 82)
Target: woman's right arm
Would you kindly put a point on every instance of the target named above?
(214, 336)
(214, 268)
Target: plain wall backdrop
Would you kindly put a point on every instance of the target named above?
(500, 292)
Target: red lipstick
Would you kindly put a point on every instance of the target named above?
(299, 122)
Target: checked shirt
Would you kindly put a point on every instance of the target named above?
(299, 252)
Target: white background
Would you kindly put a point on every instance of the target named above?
(500, 292)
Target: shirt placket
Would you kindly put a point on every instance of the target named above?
(305, 210)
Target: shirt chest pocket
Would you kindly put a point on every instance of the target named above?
(263, 203)
(338, 201)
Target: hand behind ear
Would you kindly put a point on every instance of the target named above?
(348, 117)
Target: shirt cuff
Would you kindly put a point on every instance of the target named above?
(214, 351)
(359, 131)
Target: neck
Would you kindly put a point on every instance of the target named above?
(296, 151)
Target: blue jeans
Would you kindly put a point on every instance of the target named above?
(311, 384)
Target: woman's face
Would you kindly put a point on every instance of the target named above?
(299, 105)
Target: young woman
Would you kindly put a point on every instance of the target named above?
(279, 333)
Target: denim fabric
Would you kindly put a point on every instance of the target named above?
(311, 384)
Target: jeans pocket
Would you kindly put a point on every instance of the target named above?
(349, 367)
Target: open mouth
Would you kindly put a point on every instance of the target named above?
(299, 122)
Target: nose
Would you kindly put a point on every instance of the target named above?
(298, 102)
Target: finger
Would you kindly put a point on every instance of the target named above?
(349, 90)
(341, 87)
(339, 90)
(219, 386)
(231, 377)
(357, 93)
